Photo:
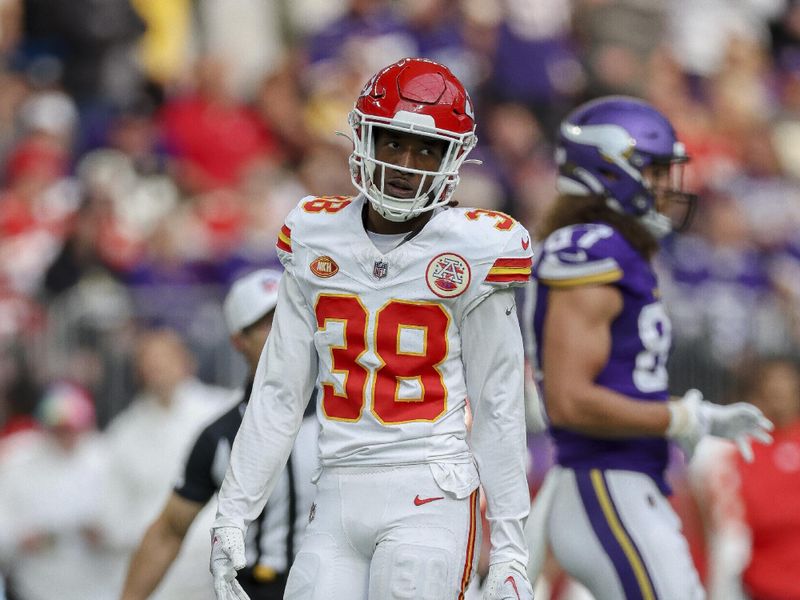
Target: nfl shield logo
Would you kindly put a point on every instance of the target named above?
(380, 269)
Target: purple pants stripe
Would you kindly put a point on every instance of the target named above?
(617, 543)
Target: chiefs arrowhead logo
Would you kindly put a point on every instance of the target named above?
(525, 243)
(324, 267)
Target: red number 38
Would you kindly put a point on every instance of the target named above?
(397, 365)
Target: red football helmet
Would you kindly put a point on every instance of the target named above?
(422, 97)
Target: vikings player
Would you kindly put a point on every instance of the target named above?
(397, 306)
(602, 337)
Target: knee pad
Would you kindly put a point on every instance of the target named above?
(326, 570)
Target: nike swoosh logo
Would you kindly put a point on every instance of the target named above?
(511, 580)
(509, 309)
(420, 501)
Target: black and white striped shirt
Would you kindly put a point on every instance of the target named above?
(273, 539)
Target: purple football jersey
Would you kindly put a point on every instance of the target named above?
(594, 253)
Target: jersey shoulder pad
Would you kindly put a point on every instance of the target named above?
(500, 247)
(296, 221)
(583, 254)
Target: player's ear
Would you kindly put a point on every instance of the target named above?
(237, 341)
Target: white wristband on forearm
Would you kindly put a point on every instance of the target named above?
(680, 419)
(686, 417)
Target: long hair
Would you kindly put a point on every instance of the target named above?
(572, 210)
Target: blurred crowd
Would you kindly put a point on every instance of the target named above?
(150, 150)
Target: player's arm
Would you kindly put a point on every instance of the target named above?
(576, 348)
(159, 547)
(283, 383)
(577, 343)
(493, 363)
(282, 387)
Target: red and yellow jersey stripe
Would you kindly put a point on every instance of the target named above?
(505, 270)
(284, 242)
(474, 515)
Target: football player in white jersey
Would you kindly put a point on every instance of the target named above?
(398, 307)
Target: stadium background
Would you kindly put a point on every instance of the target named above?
(149, 151)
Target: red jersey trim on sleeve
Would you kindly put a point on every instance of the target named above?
(505, 270)
(285, 239)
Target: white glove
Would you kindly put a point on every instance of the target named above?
(691, 418)
(227, 557)
(507, 581)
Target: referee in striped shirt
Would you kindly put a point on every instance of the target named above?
(273, 539)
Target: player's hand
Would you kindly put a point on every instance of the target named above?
(227, 557)
(691, 418)
(507, 581)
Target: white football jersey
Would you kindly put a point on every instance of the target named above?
(391, 381)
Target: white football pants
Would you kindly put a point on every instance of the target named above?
(386, 534)
(616, 533)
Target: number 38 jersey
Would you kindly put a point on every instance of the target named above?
(591, 254)
(391, 382)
